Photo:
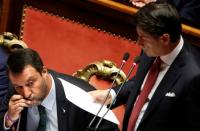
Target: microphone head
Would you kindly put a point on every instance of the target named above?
(126, 56)
(137, 59)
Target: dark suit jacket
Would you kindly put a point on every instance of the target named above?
(3, 73)
(164, 113)
(188, 10)
(70, 117)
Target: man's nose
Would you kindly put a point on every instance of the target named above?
(26, 92)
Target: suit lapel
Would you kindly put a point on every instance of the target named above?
(61, 106)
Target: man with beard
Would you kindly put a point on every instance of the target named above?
(36, 90)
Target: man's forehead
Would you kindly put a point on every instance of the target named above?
(28, 73)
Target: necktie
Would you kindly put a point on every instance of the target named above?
(150, 81)
(43, 118)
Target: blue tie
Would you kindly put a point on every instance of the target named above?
(43, 118)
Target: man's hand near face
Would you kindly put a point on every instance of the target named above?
(16, 105)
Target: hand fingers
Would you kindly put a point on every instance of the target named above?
(138, 4)
(100, 96)
(15, 99)
(16, 105)
(143, 1)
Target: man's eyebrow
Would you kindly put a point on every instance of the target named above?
(15, 85)
(30, 79)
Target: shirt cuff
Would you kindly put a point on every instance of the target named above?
(4, 122)
(113, 94)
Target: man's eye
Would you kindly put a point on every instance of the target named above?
(18, 87)
(139, 38)
(30, 83)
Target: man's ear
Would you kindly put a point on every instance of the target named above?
(165, 38)
(44, 70)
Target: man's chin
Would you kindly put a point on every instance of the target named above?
(35, 103)
(150, 54)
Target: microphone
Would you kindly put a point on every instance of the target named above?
(136, 61)
(125, 58)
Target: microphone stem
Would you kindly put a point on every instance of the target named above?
(114, 100)
(129, 73)
(122, 65)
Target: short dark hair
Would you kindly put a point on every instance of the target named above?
(20, 58)
(157, 18)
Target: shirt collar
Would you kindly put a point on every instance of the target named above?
(48, 102)
(169, 58)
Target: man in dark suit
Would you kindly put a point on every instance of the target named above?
(172, 103)
(188, 9)
(35, 87)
